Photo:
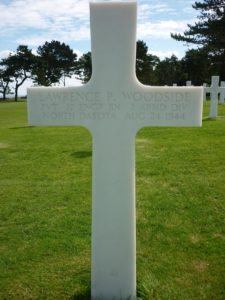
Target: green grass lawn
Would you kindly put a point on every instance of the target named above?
(45, 193)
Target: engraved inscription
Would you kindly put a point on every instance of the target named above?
(94, 105)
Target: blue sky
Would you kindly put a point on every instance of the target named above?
(32, 22)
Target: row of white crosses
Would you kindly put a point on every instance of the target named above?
(114, 106)
(214, 90)
(206, 89)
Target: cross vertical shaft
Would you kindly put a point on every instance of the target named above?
(214, 97)
(113, 223)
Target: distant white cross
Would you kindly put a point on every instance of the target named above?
(204, 91)
(214, 90)
(222, 92)
(114, 106)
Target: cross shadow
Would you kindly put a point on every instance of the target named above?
(22, 127)
(207, 119)
(86, 295)
(82, 154)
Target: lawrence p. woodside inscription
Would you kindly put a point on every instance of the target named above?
(95, 106)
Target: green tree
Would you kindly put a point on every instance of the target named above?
(196, 66)
(145, 64)
(169, 71)
(84, 67)
(208, 33)
(5, 80)
(19, 65)
(55, 61)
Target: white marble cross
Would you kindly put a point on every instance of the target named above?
(114, 106)
(214, 90)
(204, 91)
(222, 92)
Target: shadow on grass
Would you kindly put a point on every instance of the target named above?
(85, 295)
(142, 293)
(82, 154)
(207, 119)
(22, 127)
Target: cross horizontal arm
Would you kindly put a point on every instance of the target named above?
(135, 106)
(207, 89)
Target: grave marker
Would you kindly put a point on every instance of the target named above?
(204, 91)
(114, 106)
(214, 90)
(188, 83)
(222, 92)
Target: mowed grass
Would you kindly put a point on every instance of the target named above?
(45, 193)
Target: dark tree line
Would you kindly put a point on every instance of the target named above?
(55, 61)
(150, 70)
(208, 33)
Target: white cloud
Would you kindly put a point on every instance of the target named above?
(66, 35)
(49, 16)
(5, 53)
(67, 19)
(161, 29)
(146, 10)
(34, 40)
(78, 52)
(162, 54)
